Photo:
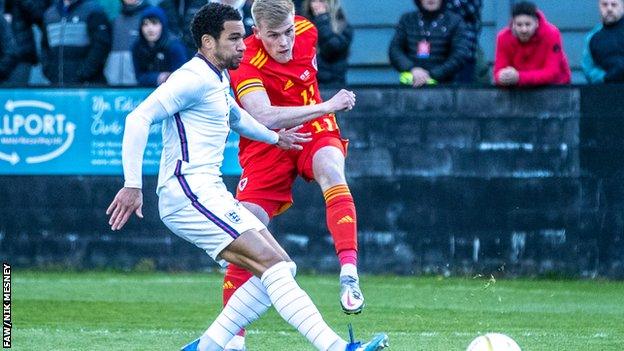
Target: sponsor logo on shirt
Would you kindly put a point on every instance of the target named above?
(345, 220)
(305, 75)
(288, 85)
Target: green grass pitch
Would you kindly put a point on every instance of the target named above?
(160, 311)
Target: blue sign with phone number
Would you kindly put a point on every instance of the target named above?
(77, 132)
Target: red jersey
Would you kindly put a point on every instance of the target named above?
(289, 84)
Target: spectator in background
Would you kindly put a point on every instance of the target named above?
(530, 51)
(247, 17)
(603, 57)
(8, 52)
(470, 11)
(179, 15)
(298, 6)
(157, 53)
(430, 45)
(75, 43)
(334, 39)
(244, 8)
(24, 14)
(119, 69)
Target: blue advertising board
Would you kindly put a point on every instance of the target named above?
(77, 132)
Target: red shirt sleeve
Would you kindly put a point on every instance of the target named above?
(503, 52)
(245, 79)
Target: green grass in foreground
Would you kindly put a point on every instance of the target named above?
(115, 311)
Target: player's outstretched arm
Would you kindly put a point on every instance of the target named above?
(247, 126)
(258, 104)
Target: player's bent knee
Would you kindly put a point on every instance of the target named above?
(256, 263)
(328, 173)
(251, 251)
(327, 177)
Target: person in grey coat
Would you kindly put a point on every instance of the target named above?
(75, 43)
(119, 69)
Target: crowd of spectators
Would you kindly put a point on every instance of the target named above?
(436, 43)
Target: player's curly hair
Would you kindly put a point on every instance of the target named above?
(210, 19)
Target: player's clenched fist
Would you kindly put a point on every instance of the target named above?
(290, 138)
(343, 100)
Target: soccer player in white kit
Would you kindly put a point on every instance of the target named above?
(197, 113)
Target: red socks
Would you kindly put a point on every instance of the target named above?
(235, 276)
(342, 221)
(347, 256)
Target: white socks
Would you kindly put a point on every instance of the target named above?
(247, 304)
(236, 343)
(252, 299)
(296, 307)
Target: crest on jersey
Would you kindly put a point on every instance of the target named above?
(314, 63)
(233, 216)
(242, 184)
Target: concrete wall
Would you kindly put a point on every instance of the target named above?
(446, 180)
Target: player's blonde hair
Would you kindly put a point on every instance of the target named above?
(271, 12)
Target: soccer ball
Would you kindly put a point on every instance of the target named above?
(493, 342)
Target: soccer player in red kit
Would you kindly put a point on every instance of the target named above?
(276, 83)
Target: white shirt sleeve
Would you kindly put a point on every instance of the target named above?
(247, 126)
(181, 90)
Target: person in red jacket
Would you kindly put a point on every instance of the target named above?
(530, 52)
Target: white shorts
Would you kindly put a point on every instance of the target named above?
(212, 219)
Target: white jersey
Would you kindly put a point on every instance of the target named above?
(196, 110)
(194, 139)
